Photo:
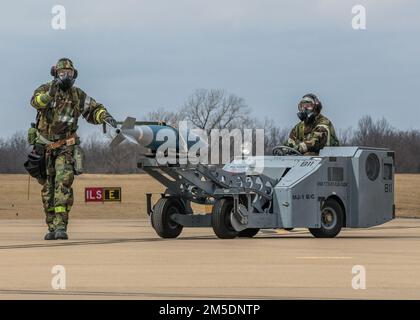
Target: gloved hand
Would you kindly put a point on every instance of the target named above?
(293, 146)
(53, 88)
(111, 121)
(302, 147)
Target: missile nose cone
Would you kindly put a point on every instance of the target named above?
(146, 135)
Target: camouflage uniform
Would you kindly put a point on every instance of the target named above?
(57, 119)
(312, 137)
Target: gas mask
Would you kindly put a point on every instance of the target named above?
(65, 79)
(306, 110)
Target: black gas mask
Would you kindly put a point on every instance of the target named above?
(65, 79)
(307, 110)
(306, 115)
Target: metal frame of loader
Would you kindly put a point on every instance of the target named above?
(204, 185)
(322, 193)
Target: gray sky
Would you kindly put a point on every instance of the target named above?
(136, 56)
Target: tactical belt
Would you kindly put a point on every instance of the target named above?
(70, 140)
(56, 137)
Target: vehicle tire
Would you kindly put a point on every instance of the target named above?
(164, 226)
(220, 219)
(248, 233)
(332, 218)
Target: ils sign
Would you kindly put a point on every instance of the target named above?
(107, 194)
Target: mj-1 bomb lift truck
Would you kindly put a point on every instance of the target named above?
(351, 187)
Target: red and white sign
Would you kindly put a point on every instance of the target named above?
(106, 194)
(94, 194)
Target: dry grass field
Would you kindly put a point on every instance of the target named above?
(407, 197)
(14, 202)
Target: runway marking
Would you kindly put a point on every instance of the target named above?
(97, 242)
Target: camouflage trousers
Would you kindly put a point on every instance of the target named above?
(57, 191)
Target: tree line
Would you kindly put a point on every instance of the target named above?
(217, 109)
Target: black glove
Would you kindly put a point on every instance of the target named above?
(111, 121)
(53, 88)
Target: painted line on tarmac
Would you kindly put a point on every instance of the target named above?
(96, 242)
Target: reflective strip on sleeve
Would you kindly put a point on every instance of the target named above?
(328, 130)
(99, 114)
(42, 99)
(60, 209)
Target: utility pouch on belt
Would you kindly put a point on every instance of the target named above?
(32, 134)
(79, 159)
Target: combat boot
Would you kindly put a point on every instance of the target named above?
(61, 235)
(50, 235)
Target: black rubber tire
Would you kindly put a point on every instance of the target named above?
(322, 232)
(248, 233)
(220, 219)
(164, 226)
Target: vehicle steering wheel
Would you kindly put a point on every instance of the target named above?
(285, 150)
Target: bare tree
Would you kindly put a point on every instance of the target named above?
(171, 118)
(100, 158)
(273, 135)
(372, 134)
(215, 109)
(345, 136)
(405, 144)
(13, 153)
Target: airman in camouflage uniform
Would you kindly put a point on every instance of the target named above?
(59, 105)
(314, 131)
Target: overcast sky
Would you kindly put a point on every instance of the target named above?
(137, 56)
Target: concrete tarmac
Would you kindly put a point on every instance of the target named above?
(125, 259)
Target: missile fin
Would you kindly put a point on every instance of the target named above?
(117, 140)
(128, 123)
